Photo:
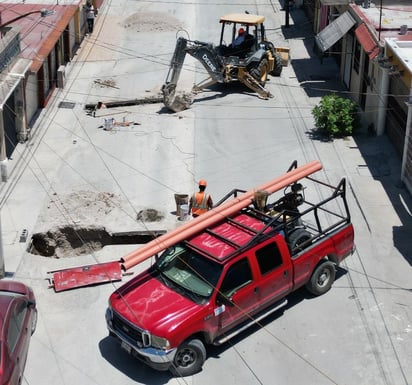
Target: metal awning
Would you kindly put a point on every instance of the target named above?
(10, 78)
(334, 31)
(367, 41)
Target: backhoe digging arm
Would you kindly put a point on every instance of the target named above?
(204, 52)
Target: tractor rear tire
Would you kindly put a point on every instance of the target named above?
(260, 72)
(277, 67)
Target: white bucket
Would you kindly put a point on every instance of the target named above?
(184, 212)
(108, 123)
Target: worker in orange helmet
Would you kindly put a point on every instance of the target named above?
(201, 202)
(240, 38)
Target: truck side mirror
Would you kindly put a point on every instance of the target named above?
(221, 299)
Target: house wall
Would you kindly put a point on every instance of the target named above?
(356, 72)
(72, 35)
(407, 159)
(32, 104)
(383, 89)
(373, 98)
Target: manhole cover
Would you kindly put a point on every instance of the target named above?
(66, 105)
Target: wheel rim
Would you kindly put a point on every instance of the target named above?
(186, 357)
(324, 277)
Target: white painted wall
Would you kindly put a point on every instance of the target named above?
(31, 97)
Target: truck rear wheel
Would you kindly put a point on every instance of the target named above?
(322, 278)
(189, 358)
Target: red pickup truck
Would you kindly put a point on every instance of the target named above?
(214, 284)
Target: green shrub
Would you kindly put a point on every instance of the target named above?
(336, 116)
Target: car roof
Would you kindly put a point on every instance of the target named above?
(229, 237)
(5, 300)
(12, 286)
(243, 18)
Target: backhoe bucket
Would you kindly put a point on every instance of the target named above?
(175, 102)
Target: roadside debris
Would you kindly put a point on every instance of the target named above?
(109, 123)
(81, 276)
(91, 107)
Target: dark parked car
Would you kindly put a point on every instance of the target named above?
(18, 318)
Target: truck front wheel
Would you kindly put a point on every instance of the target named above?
(189, 358)
(322, 278)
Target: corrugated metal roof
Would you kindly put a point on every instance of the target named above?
(38, 34)
(388, 19)
(334, 31)
(367, 41)
(9, 79)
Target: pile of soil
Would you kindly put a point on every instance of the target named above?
(152, 22)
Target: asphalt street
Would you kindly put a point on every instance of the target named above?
(358, 333)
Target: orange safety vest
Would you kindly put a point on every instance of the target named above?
(199, 203)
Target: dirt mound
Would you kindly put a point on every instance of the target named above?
(152, 22)
(87, 207)
(149, 215)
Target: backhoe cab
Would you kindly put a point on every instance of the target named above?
(250, 62)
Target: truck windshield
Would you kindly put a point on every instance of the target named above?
(189, 270)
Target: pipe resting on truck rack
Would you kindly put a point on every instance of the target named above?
(215, 215)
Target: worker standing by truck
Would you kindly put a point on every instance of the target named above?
(200, 202)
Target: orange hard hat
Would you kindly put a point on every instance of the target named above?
(202, 182)
(241, 31)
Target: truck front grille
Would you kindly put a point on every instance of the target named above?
(140, 337)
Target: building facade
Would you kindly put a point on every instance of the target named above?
(13, 71)
(38, 41)
(362, 35)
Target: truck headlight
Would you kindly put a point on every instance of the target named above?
(160, 343)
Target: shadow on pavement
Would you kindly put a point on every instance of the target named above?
(318, 75)
(140, 372)
(293, 299)
(130, 366)
(384, 165)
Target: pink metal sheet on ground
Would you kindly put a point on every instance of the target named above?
(86, 275)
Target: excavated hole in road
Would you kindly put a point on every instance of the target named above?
(70, 241)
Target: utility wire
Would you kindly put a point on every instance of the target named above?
(132, 206)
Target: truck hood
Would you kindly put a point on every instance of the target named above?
(150, 305)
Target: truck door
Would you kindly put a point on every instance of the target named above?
(239, 287)
(275, 273)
